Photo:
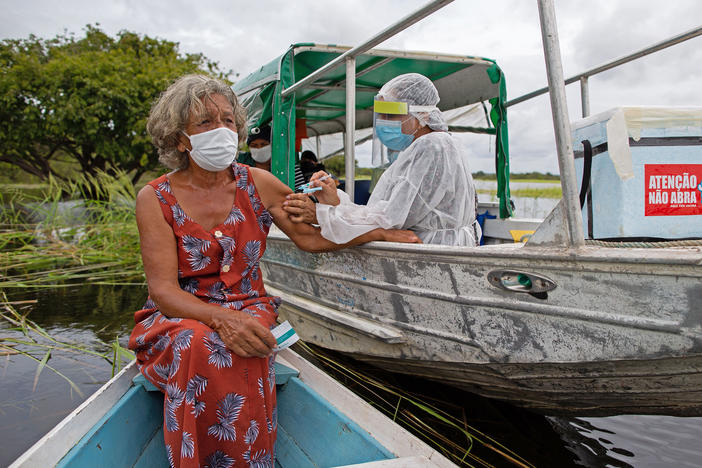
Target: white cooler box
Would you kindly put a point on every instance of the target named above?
(646, 173)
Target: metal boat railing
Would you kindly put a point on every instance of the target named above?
(583, 76)
(555, 88)
(561, 123)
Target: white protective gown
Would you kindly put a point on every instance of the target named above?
(428, 189)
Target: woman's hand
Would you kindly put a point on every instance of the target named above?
(300, 208)
(328, 194)
(242, 334)
(401, 235)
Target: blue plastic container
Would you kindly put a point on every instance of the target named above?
(646, 173)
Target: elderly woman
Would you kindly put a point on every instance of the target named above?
(428, 188)
(203, 336)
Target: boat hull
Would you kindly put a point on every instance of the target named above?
(613, 387)
(620, 333)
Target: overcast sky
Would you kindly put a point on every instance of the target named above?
(242, 35)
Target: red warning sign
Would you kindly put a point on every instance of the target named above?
(673, 189)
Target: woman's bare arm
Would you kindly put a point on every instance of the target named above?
(242, 334)
(307, 237)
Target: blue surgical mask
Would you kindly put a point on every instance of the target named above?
(390, 134)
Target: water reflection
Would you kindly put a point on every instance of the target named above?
(634, 440)
(28, 412)
(106, 311)
(90, 316)
(524, 207)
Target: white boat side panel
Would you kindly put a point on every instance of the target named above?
(49, 450)
(386, 334)
(390, 435)
(503, 228)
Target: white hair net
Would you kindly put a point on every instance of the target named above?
(428, 189)
(416, 90)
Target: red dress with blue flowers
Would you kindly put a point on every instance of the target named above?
(219, 408)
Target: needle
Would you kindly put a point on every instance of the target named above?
(307, 189)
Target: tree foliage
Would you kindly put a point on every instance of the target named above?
(86, 99)
(336, 165)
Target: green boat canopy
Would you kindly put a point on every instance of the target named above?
(464, 83)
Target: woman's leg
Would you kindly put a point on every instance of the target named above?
(219, 408)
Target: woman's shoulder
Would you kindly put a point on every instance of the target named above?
(158, 181)
(159, 188)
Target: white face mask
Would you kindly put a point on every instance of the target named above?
(261, 155)
(214, 150)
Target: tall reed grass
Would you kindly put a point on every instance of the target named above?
(440, 424)
(77, 231)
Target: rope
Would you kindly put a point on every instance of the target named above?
(646, 245)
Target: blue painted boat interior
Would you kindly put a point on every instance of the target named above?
(311, 432)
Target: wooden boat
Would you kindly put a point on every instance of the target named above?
(555, 324)
(320, 423)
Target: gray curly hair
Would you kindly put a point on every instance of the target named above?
(170, 114)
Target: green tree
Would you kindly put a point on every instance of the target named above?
(86, 99)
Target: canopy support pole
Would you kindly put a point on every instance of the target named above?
(561, 122)
(349, 148)
(382, 36)
(584, 96)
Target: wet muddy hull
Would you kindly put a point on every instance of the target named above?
(621, 332)
(670, 386)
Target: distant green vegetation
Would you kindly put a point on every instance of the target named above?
(337, 166)
(521, 177)
(545, 192)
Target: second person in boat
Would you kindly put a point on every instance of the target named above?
(428, 188)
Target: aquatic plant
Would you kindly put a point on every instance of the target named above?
(426, 420)
(47, 241)
(25, 337)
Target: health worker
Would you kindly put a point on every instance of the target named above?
(428, 187)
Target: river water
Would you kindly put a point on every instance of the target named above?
(93, 316)
(524, 207)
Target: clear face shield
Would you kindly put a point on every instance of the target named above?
(389, 117)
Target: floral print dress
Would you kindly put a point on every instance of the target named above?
(219, 408)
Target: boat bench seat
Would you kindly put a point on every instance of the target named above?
(148, 386)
